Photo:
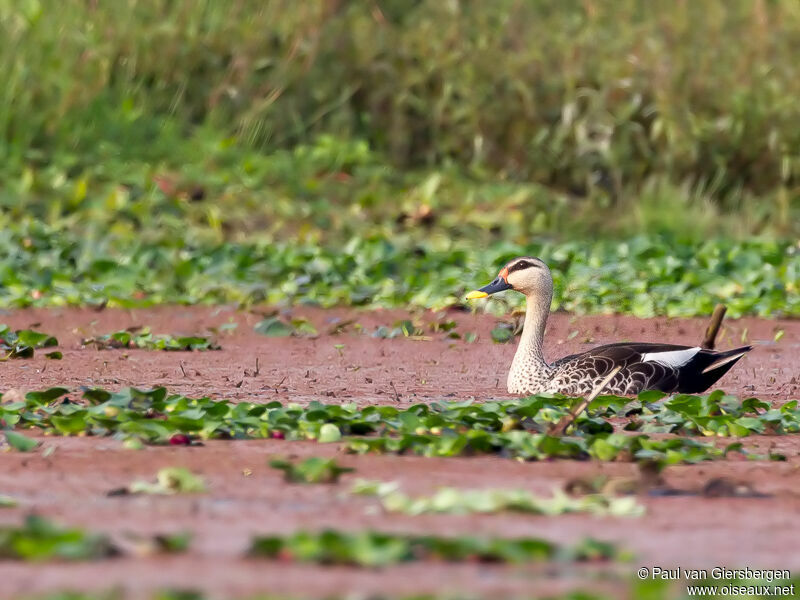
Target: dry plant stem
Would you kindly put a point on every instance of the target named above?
(560, 427)
(713, 327)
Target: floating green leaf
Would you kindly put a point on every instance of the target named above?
(20, 442)
(144, 339)
(512, 428)
(311, 470)
(22, 342)
(38, 539)
(502, 333)
(169, 480)
(273, 327)
(329, 433)
(457, 501)
(373, 549)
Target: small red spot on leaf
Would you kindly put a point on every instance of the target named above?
(180, 439)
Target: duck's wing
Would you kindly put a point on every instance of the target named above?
(646, 366)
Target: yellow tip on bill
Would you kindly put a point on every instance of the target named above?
(476, 294)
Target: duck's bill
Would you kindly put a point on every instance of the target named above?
(475, 294)
(498, 285)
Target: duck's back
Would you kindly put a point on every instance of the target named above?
(644, 366)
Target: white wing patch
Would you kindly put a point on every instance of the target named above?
(672, 358)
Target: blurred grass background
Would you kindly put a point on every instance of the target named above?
(504, 118)
(325, 151)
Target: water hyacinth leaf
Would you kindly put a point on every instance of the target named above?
(38, 539)
(510, 428)
(47, 395)
(303, 326)
(180, 480)
(21, 352)
(174, 543)
(458, 501)
(329, 433)
(70, 424)
(142, 338)
(20, 442)
(503, 333)
(372, 549)
(21, 343)
(35, 339)
(603, 450)
(273, 327)
(310, 470)
(169, 480)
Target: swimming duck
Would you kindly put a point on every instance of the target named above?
(643, 365)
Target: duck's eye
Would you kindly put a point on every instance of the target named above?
(523, 264)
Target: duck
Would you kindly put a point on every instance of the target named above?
(640, 366)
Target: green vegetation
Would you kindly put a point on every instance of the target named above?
(512, 428)
(22, 342)
(20, 442)
(277, 327)
(562, 105)
(643, 276)
(372, 549)
(169, 480)
(311, 470)
(380, 154)
(143, 338)
(715, 414)
(540, 446)
(39, 539)
(450, 500)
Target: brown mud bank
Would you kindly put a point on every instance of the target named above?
(355, 366)
(245, 497)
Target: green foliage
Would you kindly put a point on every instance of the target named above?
(277, 327)
(170, 480)
(7, 501)
(172, 543)
(38, 539)
(643, 276)
(540, 446)
(511, 428)
(579, 97)
(311, 470)
(372, 549)
(502, 333)
(143, 338)
(715, 414)
(20, 442)
(404, 328)
(457, 501)
(21, 343)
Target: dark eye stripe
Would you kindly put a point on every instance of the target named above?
(523, 264)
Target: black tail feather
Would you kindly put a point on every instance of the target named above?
(705, 369)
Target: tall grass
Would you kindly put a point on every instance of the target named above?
(588, 98)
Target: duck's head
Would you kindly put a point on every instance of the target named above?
(525, 274)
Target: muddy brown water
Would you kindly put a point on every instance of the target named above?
(246, 497)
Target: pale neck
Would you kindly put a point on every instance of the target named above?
(532, 339)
